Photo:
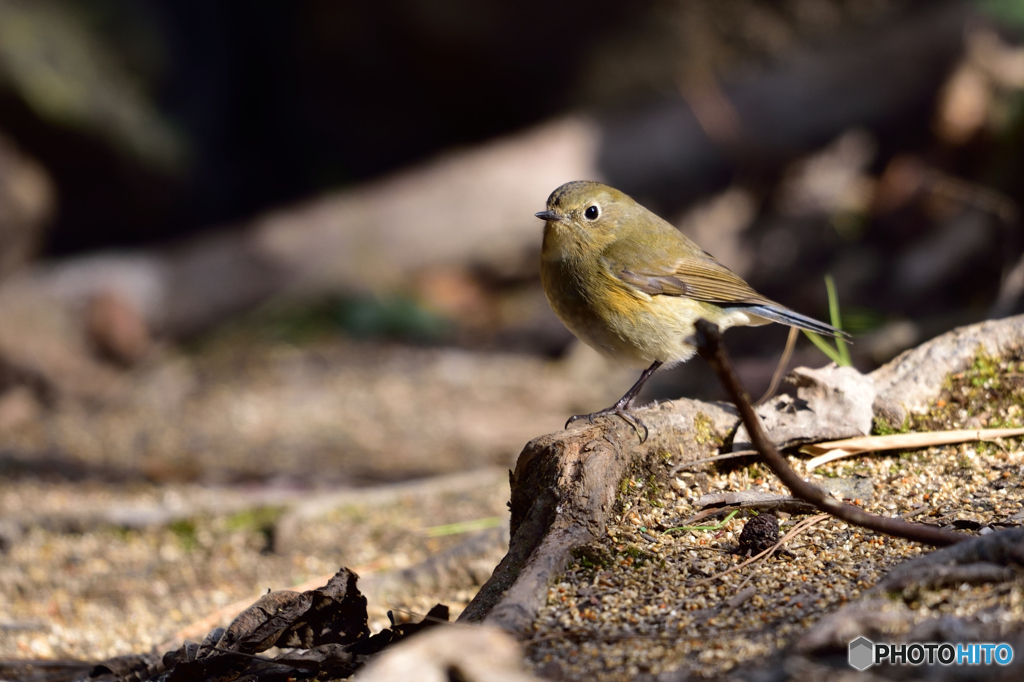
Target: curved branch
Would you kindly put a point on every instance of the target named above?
(709, 344)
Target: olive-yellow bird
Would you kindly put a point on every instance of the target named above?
(631, 286)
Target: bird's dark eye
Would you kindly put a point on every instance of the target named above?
(592, 212)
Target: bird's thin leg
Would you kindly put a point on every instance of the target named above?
(623, 405)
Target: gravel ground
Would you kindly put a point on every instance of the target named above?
(111, 590)
(334, 413)
(645, 600)
(93, 567)
(125, 521)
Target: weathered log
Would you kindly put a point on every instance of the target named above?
(915, 377)
(564, 490)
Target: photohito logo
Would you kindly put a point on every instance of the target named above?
(864, 653)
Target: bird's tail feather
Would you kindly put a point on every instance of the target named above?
(793, 319)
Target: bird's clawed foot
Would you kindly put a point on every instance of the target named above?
(620, 410)
(622, 407)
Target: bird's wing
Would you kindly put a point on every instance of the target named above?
(701, 278)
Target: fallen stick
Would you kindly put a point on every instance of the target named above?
(709, 345)
(848, 447)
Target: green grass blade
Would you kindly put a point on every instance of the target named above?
(716, 526)
(464, 526)
(837, 322)
(840, 353)
(824, 346)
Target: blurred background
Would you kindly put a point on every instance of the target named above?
(290, 246)
(303, 231)
(288, 210)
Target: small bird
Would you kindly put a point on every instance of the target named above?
(631, 286)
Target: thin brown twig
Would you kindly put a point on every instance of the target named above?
(798, 528)
(709, 343)
(792, 505)
(780, 371)
(716, 458)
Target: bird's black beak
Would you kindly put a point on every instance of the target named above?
(548, 215)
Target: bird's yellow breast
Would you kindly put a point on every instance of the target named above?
(622, 322)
